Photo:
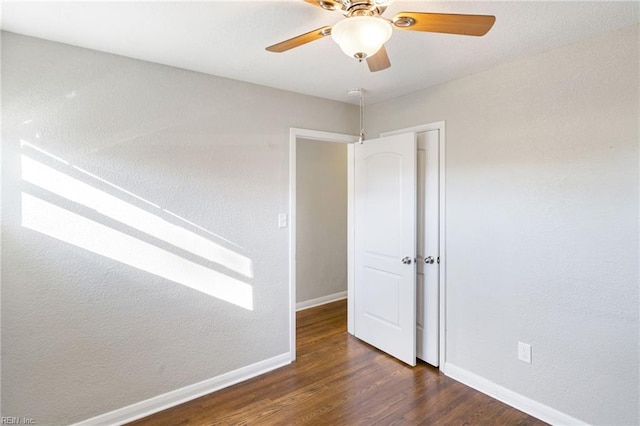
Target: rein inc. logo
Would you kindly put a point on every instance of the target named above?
(17, 421)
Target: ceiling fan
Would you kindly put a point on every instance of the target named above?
(364, 31)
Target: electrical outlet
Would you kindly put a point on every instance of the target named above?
(524, 352)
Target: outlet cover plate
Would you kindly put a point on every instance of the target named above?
(524, 352)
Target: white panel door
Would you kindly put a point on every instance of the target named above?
(385, 244)
(428, 316)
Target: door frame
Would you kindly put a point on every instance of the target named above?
(322, 136)
(439, 125)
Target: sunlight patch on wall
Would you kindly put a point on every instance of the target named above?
(79, 192)
(59, 223)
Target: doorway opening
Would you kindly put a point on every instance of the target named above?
(307, 139)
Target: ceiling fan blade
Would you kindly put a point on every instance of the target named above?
(475, 25)
(379, 61)
(300, 40)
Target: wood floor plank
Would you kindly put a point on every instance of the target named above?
(340, 380)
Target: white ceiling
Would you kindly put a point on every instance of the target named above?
(228, 38)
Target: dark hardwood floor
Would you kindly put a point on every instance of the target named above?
(339, 380)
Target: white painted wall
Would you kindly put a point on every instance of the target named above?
(321, 210)
(542, 223)
(84, 334)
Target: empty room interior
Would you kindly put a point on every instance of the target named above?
(320, 212)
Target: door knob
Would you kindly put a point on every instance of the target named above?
(429, 260)
(406, 260)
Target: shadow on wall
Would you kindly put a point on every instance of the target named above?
(58, 199)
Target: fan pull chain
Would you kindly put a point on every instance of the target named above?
(362, 132)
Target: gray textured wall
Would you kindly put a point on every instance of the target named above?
(86, 333)
(321, 213)
(542, 222)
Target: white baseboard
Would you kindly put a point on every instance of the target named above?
(170, 399)
(321, 301)
(509, 397)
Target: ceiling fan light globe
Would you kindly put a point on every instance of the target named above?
(361, 36)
